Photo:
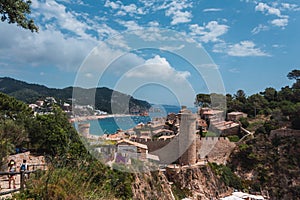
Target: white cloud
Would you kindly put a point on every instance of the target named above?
(177, 10)
(209, 32)
(153, 23)
(47, 48)
(291, 7)
(259, 28)
(241, 49)
(131, 8)
(123, 10)
(113, 5)
(51, 11)
(63, 40)
(124, 63)
(212, 10)
(130, 25)
(121, 13)
(181, 17)
(158, 68)
(234, 70)
(265, 8)
(280, 22)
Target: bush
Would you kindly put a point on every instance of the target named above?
(244, 122)
(91, 180)
(226, 175)
(233, 138)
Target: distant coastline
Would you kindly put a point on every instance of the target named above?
(96, 117)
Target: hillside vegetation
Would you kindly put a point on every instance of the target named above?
(275, 108)
(264, 163)
(268, 164)
(72, 172)
(30, 93)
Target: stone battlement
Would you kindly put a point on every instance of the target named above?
(284, 133)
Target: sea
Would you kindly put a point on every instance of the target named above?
(111, 125)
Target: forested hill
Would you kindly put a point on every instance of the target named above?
(29, 93)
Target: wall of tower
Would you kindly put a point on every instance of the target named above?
(187, 138)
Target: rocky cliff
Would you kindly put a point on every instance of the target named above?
(195, 182)
(269, 164)
(151, 185)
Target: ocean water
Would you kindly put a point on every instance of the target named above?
(112, 124)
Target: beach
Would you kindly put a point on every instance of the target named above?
(96, 117)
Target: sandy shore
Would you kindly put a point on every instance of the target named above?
(96, 117)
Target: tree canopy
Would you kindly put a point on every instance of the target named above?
(17, 11)
(295, 74)
(281, 106)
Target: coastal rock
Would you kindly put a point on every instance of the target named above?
(193, 182)
(151, 185)
(197, 182)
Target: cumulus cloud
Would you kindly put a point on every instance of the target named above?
(63, 40)
(280, 22)
(209, 32)
(158, 68)
(291, 7)
(51, 11)
(113, 5)
(241, 49)
(153, 23)
(265, 8)
(47, 48)
(130, 25)
(130, 9)
(177, 11)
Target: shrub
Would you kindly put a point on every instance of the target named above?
(233, 138)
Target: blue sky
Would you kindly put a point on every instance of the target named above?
(249, 44)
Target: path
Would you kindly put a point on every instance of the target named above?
(33, 163)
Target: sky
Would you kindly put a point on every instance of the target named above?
(161, 51)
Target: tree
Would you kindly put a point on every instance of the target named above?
(16, 11)
(203, 100)
(244, 121)
(240, 96)
(270, 94)
(256, 103)
(295, 74)
(54, 135)
(295, 118)
(14, 117)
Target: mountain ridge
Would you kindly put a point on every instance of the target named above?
(31, 92)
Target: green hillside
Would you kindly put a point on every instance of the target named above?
(29, 93)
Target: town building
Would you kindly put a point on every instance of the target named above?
(235, 116)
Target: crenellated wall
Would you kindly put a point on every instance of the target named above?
(284, 133)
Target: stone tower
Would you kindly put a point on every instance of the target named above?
(187, 138)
